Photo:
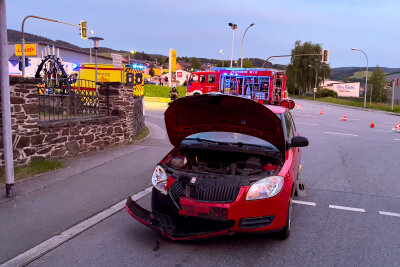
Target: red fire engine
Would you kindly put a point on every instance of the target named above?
(266, 86)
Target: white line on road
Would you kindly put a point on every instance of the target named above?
(341, 134)
(304, 202)
(396, 139)
(306, 123)
(55, 241)
(382, 131)
(389, 122)
(346, 208)
(389, 213)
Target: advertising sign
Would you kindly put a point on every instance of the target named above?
(179, 74)
(117, 60)
(172, 60)
(347, 89)
(30, 50)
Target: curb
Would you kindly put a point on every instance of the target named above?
(351, 107)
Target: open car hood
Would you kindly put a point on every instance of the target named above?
(224, 113)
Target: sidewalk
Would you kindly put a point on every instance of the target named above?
(50, 203)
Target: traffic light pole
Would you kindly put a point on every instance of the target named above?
(5, 102)
(23, 36)
(297, 55)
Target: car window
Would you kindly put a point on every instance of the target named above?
(289, 128)
(202, 78)
(193, 78)
(292, 122)
(211, 78)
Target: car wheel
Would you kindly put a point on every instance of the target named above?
(285, 233)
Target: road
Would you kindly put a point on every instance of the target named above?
(351, 216)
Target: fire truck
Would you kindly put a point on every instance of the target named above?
(266, 86)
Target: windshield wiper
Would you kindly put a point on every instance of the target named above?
(204, 140)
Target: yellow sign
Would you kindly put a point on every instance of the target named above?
(172, 60)
(30, 50)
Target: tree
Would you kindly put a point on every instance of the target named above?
(151, 72)
(247, 63)
(301, 77)
(195, 63)
(163, 60)
(377, 81)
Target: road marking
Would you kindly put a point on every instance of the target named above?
(389, 213)
(304, 202)
(383, 131)
(306, 123)
(55, 241)
(305, 115)
(389, 122)
(396, 139)
(346, 208)
(349, 119)
(341, 134)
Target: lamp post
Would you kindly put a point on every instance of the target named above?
(234, 27)
(316, 77)
(244, 34)
(131, 52)
(366, 76)
(222, 52)
(96, 46)
(90, 48)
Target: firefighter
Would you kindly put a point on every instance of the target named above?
(173, 94)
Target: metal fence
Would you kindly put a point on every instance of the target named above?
(67, 98)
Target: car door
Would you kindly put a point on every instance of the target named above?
(295, 150)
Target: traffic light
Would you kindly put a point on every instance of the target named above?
(20, 63)
(83, 29)
(325, 56)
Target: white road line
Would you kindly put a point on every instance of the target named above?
(55, 241)
(341, 134)
(396, 139)
(304, 202)
(389, 213)
(389, 122)
(346, 208)
(349, 119)
(306, 123)
(382, 131)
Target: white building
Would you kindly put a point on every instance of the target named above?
(343, 89)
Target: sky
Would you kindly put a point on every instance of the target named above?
(200, 28)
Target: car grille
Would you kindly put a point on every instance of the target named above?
(250, 223)
(215, 194)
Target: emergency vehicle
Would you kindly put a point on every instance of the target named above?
(266, 86)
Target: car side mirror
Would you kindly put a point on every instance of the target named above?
(299, 141)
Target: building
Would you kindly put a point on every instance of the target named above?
(391, 78)
(70, 58)
(343, 89)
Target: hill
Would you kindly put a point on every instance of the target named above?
(356, 74)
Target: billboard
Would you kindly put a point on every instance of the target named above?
(347, 89)
(30, 50)
(172, 60)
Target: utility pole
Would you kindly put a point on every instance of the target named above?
(234, 27)
(316, 77)
(241, 62)
(5, 102)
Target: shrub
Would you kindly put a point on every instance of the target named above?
(161, 91)
(326, 93)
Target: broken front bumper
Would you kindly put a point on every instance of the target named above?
(178, 228)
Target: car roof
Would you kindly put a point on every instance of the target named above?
(277, 109)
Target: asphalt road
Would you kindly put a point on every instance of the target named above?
(352, 176)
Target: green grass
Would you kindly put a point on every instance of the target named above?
(355, 103)
(140, 135)
(162, 91)
(360, 75)
(34, 168)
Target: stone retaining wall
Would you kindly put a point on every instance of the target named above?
(119, 120)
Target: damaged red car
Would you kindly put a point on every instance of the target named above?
(233, 168)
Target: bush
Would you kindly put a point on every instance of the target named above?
(326, 93)
(161, 91)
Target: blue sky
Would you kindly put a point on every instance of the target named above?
(200, 28)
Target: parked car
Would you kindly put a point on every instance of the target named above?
(233, 168)
(149, 82)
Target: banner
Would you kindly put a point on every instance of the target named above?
(117, 60)
(30, 50)
(172, 60)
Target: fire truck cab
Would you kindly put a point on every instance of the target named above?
(266, 86)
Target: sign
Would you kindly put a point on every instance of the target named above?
(347, 89)
(117, 60)
(30, 50)
(315, 90)
(179, 74)
(172, 60)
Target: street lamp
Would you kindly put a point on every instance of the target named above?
(96, 46)
(90, 48)
(366, 76)
(222, 52)
(316, 77)
(131, 52)
(244, 34)
(234, 27)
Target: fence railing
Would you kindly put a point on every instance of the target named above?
(67, 98)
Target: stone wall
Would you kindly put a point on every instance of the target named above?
(119, 119)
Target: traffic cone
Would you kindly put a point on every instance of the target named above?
(344, 117)
(322, 112)
(298, 106)
(372, 124)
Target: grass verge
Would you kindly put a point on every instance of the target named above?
(34, 168)
(140, 135)
(162, 91)
(353, 103)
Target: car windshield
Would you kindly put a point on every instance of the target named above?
(230, 138)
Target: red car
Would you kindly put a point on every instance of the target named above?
(233, 168)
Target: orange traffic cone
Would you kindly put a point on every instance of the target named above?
(372, 124)
(322, 112)
(344, 117)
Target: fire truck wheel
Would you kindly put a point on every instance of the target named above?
(285, 104)
(291, 104)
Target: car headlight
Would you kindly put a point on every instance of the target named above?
(159, 179)
(265, 188)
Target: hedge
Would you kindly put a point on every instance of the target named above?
(161, 91)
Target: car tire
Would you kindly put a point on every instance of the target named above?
(285, 232)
